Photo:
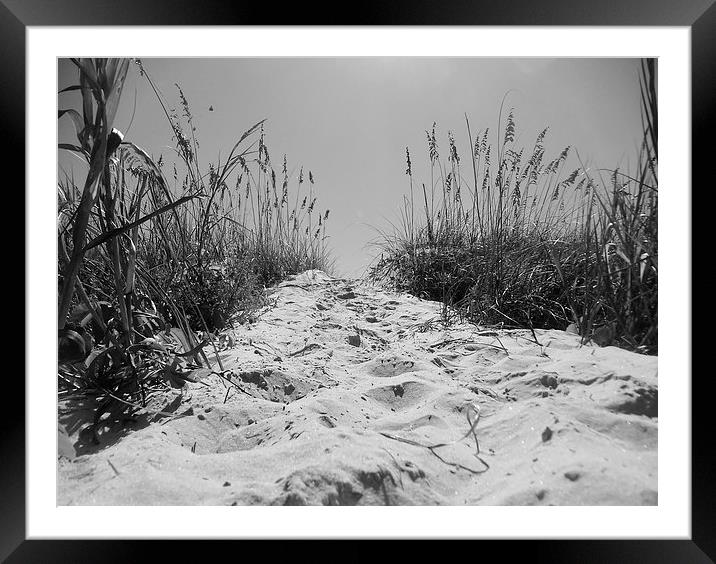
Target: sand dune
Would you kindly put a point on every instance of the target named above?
(345, 391)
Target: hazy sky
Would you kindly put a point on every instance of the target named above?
(348, 120)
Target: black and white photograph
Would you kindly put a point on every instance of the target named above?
(357, 281)
(298, 276)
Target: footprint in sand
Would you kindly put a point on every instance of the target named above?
(402, 395)
(326, 421)
(385, 366)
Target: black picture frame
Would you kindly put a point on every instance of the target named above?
(699, 15)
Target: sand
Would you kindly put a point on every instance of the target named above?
(345, 391)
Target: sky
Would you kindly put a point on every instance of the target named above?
(349, 120)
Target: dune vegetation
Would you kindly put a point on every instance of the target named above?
(209, 355)
(158, 257)
(155, 257)
(508, 236)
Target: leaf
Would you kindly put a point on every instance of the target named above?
(70, 88)
(195, 350)
(170, 375)
(91, 358)
(110, 72)
(115, 91)
(88, 70)
(179, 335)
(178, 378)
(65, 447)
(74, 148)
(76, 120)
(87, 104)
(150, 343)
(119, 230)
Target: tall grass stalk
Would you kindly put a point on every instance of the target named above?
(142, 258)
(534, 242)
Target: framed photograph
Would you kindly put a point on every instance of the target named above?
(405, 264)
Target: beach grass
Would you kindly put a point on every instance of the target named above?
(153, 254)
(510, 237)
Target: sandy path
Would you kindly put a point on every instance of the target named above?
(341, 379)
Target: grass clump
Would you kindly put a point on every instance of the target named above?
(152, 266)
(510, 237)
